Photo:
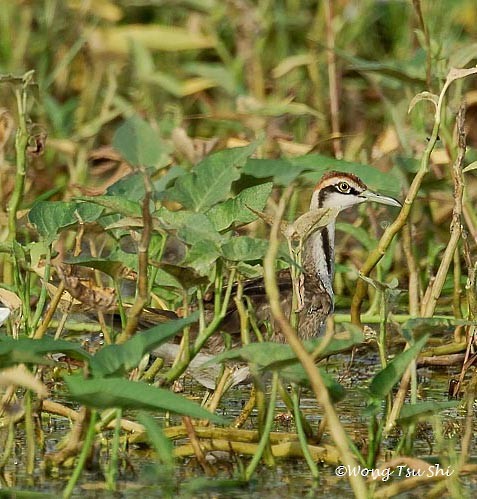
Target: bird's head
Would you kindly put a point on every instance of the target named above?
(342, 190)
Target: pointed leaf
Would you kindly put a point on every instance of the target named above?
(413, 412)
(384, 381)
(104, 393)
(30, 351)
(236, 210)
(50, 217)
(113, 360)
(244, 248)
(139, 144)
(210, 181)
(115, 204)
(269, 355)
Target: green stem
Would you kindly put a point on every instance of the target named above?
(29, 434)
(301, 435)
(43, 293)
(220, 312)
(21, 144)
(7, 450)
(113, 466)
(266, 430)
(88, 443)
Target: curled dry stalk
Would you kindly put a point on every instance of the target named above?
(435, 288)
(375, 256)
(428, 306)
(321, 393)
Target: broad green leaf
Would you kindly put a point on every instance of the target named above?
(192, 227)
(109, 266)
(282, 171)
(186, 276)
(113, 360)
(296, 374)
(165, 280)
(384, 381)
(270, 355)
(413, 412)
(418, 326)
(163, 182)
(312, 166)
(30, 351)
(139, 144)
(202, 256)
(236, 210)
(131, 187)
(50, 217)
(211, 180)
(115, 204)
(244, 248)
(104, 393)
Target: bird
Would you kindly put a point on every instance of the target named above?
(335, 190)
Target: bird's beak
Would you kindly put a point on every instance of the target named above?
(378, 198)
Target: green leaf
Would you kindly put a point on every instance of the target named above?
(244, 248)
(115, 204)
(312, 166)
(186, 276)
(192, 227)
(30, 351)
(113, 360)
(202, 256)
(413, 412)
(211, 180)
(131, 186)
(111, 267)
(418, 326)
(384, 381)
(50, 217)
(139, 144)
(162, 445)
(234, 211)
(296, 374)
(282, 171)
(104, 393)
(270, 355)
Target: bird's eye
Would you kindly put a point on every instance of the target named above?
(343, 187)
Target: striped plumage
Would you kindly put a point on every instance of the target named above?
(335, 190)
